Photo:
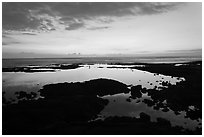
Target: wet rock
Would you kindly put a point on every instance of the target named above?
(184, 92)
(127, 125)
(25, 95)
(135, 91)
(165, 83)
(128, 100)
(49, 68)
(156, 107)
(165, 109)
(149, 103)
(100, 87)
(138, 101)
(74, 104)
(62, 102)
(160, 105)
(193, 114)
(176, 113)
(163, 122)
(144, 90)
(72, 66)
(4, 100)
(144, 117)
(104, 87)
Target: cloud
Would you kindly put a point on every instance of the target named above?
(8, 39)
(28, 33)
(42, 16)
(9, 42)
(3, 43)
(74, 26)
(87, 9)
(154, 7)
(4, 36)
(88, 33)
(16, 17)
(98, 28)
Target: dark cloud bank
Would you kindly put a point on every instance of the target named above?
(22, 16)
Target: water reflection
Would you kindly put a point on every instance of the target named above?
(32, 82)
(119, 106)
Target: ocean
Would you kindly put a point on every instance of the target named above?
(94, 60)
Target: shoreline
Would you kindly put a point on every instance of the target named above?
(86, 104)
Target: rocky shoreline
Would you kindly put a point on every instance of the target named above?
(49, 68)
(67, 108)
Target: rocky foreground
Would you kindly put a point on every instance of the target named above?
(68, 108)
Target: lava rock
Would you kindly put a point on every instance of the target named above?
(135, 91)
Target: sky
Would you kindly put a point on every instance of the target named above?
(131, 28)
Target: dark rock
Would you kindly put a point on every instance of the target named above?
(160, 105)
(144, 117)
(165, 83)
(135, 91)
(165, 109)
(68, 109)
(150, 103)
(99, 87)
(193, 114)
(62, 102)
(25, 95)
(156, 107)
(144, 90)
(163, 122)
(137, 101)
(176, 113)
(128, 100)
(41, 68)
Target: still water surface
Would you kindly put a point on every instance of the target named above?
(32, 82)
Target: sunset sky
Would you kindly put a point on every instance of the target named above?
(40, 29)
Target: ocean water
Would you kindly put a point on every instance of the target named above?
(94, 60)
